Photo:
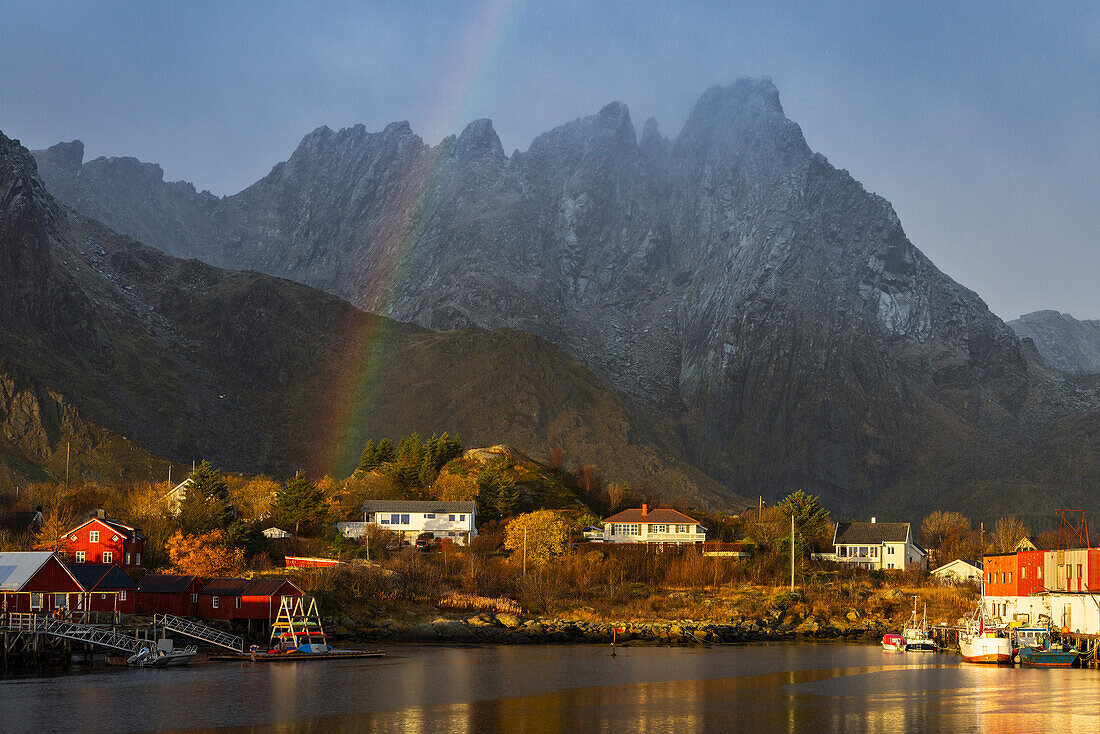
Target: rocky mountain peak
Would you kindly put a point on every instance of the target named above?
(479, 142)
(68, 156)
(1067, 343)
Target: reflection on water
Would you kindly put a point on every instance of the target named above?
(758, 688)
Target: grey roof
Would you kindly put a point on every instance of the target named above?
(163, 583)
(870, 533)
(17, 567)
(418, 506)
(94, 576)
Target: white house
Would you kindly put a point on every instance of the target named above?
(959, 572)
(878, 545)
(411, 518)
(658, 526)
(277, 533)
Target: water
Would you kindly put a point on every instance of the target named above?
(791, 687)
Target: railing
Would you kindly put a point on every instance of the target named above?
(101, 636)
(199, 631)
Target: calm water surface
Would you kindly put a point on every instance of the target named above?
(792, 687)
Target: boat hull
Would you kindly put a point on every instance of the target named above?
(1047, 658)
(920, 646)
(989, 650)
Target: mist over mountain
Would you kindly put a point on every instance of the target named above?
(1065, 342)
(116, 348)
(752, 300)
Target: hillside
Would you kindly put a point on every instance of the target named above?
(103, 337)
(1064, 342)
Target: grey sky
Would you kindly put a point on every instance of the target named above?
(979, 123)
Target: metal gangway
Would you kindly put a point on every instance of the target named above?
(101, 636)
(198, 631)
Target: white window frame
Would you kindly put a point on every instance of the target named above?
(127, 561)
(93, 536)
(122, 595)
(137, 559)
(108, 557)
(195, 598)
(238, 602)
(79, 556)
(215, 604)
(38, 599)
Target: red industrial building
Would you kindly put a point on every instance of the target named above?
(106, 588)
(105, 541)
(161, 593)
(244, 598)
(36, 582)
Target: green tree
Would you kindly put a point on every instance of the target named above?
(497, 494)
(811, 520)
(385, 451)
(205, 504)
(300, 500)
(368, 460)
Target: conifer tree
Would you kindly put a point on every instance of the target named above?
(205, 505)
(368, 460)
(300, 500)
(385, 451)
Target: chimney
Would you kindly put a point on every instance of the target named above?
(645, 510)
(873, 519)
(100, 513)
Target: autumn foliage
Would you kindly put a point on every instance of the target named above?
(206, 555)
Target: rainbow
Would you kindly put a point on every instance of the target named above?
(340, 439)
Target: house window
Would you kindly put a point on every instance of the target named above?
(137, 559)
(626, 529)
(108, 557)
(404, 519)
(1078, 570)
(429, 515)
(60, 601)
(874, 552)
(1023, 572)
(93, 537)
(194, 598)
(395, 519)
(238, 602)
(384, 520)
(122, 595)
(36, 600)
(1010, 577)
(462, 518)
(79, 556)
(658, 528)
(890, 551)
(450, 518)
(127, 559)
(216, 599)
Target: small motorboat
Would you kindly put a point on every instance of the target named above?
(893, 642)
(162, 656)
(1037, 649)
(916, 633)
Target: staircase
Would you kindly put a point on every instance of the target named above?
(199, 631)
(100, 636)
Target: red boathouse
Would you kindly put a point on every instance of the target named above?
(162, 593)
(36, 582)
(106, 588)
(244, 598)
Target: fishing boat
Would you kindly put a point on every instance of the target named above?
(1035, 647)
(981, 644)
(916, 633)
(893, 642)
(1049, 655)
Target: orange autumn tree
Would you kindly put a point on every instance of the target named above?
(206, 555)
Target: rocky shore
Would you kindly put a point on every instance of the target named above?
(514, 629)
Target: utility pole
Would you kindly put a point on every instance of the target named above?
(792, 551)
(66, 465)
(525, 551)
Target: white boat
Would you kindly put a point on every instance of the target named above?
(981, 644)
(162, 658)
(916, 634)
(893, 642)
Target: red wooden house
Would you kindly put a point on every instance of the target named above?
(244, 599)
(161, 593)
(105, 541)
(36, 582)
(106, 588)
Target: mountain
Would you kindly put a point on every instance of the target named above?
(1063, 341)
(752, 300)
(112, 346)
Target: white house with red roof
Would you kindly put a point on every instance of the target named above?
(657, 526)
